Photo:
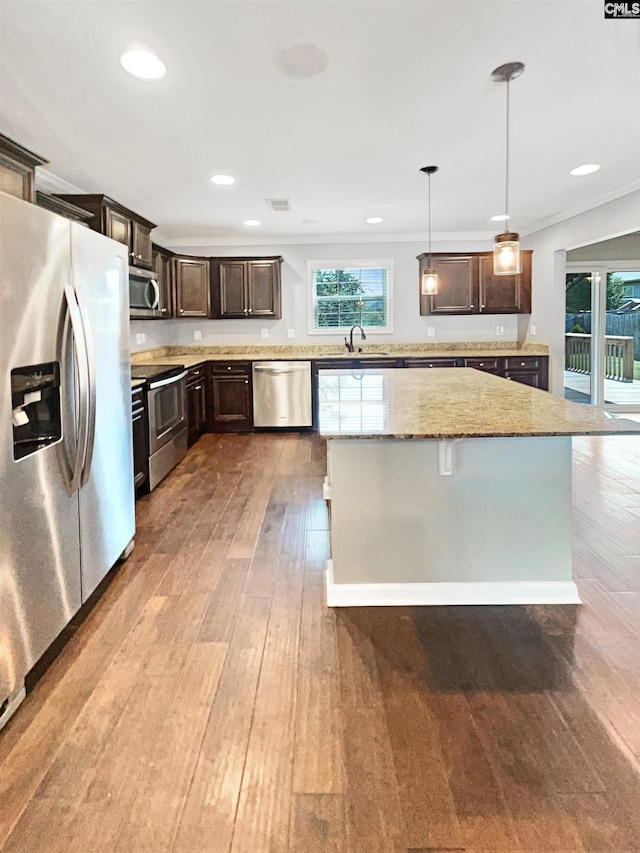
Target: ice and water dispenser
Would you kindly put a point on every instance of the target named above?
(35, 403)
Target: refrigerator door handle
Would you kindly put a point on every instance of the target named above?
(80, 350)
(91, 390)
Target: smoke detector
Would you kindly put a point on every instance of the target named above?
(302, 59)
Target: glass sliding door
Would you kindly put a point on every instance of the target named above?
(602, 335)
(578, 354)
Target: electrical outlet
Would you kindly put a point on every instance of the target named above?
(197, 335)
(264, 333)
(499, 330)
(291, 333)
(532, 330)
(140, 337)
(431, 331)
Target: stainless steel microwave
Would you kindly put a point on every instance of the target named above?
(145, 296)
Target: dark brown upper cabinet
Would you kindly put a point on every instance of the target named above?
(246, 287)
(164, 271)
(505, 294)
(62, 208)
(192, 286)
(467, 285)
(18, 169)
(118, 222)
(457, 285)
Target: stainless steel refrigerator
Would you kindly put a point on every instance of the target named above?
(66, 470)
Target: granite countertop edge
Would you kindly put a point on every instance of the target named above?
(191, 356)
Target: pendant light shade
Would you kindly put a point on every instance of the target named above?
(429, 279)
(506, 249)
(506, 254)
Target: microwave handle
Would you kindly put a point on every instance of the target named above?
(156, 291)
(156, 294)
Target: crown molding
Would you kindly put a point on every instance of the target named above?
(315, 239)
(595, 201)
(47, 182)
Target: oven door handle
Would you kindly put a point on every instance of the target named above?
(161, 382)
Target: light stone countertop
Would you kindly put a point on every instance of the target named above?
(137, 383)
(449, 403)
(190, 356)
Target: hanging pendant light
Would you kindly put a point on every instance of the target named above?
(506, 250)
(429, 281)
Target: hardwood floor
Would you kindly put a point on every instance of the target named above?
(210, 703)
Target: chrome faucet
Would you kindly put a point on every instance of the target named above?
(349, 343)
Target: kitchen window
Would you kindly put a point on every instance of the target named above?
(349, 293)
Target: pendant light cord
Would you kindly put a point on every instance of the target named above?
(506, 182)
(430, 264)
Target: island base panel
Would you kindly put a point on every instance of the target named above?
(491, 526)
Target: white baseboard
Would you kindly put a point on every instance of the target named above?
(408, 594)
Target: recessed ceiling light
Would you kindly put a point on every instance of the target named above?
(312, 221)
(302, 59)
(252, 222)
(586, 169)
(374, 220)
(223, 180)
(501, 217)
(143, 63)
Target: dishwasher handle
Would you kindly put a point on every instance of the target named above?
(267, 368)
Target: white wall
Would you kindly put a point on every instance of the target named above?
(549, 249)
(408, 325)
(548, 307)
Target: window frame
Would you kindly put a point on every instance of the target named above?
(313, 265)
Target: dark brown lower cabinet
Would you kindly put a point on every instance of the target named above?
(140, 441)
(196, 403)
(529, 369)
(229, 400)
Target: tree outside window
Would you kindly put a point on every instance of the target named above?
(348, 296)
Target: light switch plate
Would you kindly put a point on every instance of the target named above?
(140, 337)
(532, 330)
(264, 333)
(291, 333)
(197, 335)
(499, 330)
(431, 331)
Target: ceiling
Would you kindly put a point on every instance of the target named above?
(407, 85)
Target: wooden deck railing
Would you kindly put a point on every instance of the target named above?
(618, 356)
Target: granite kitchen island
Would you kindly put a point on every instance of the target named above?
(449, 486)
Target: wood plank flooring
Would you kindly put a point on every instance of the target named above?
(211, 703)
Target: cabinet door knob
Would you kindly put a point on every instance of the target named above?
(228, 368)
(523, 363)
(246, 381)
(482, 364)
(198, 387)
(471, 306)
(249, 310)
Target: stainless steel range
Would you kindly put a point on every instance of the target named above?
(166, 393)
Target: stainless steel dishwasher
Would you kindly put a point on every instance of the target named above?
(281, 393)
